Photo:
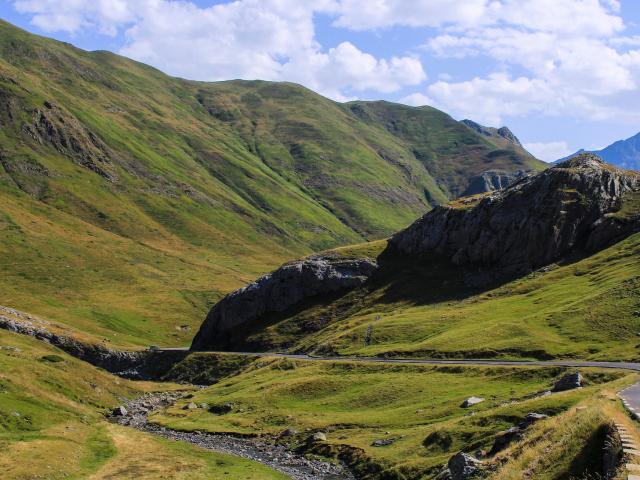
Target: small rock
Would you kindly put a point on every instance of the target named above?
(383, 442)
(569, 381)
(190, 406)
(531, 418)
(318, 437)
(119, 411)
(289, 432)
(204, 406)
(463, 466)
(471, 401)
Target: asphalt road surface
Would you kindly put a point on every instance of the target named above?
(479, 362)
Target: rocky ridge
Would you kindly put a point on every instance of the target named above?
(533, 223)
(277, 291)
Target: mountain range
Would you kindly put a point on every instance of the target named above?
(116, 177)
(138, 209)
(623, 153)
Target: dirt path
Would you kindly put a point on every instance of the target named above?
(264, 451)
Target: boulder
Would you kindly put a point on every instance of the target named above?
(471, 401)
(318, 437)
(568, 382)
(120, 411)
(463, 466)
(383, 442)
(277, 291)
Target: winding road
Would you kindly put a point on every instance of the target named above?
(428, 361)
(630, 395)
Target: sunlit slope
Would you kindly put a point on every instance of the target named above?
(52, 424)
(588, 309)
(132, 200)
(416, 408)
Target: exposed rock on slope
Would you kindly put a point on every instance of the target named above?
(533, 223)
(277, 291)
(502, 132)
(493, 180)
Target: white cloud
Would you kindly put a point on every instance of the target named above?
(73, 15)
(487, 100)
(250, 39)
(588, 17)
(567, 56)
(549, 152)
(376, 14)
(417, 100)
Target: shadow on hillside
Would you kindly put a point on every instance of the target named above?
(400, 280)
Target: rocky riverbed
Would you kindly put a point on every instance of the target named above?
(135, 414)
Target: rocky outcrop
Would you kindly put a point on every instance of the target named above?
(277, 291)
(502, 132)
(139, 365)
(461, 466)
(533, 223)
(59, 129)
(492, 180)
(115, 361)
(569, 381)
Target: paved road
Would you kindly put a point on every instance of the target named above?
(631, 398)
(479, 362)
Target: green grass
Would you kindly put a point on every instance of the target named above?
(213, 184)
(52, 424)
(587, 309)
(357, 404)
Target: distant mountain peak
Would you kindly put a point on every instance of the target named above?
(622, 153)
(502, 132)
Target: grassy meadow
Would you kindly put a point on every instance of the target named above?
(52, 424)
(417, 406)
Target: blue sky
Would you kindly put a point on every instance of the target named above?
(562, 74)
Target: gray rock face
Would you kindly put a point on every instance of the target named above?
(463, 466)
(492, 180)
(277, 291)
(568, 382)
(503, 132)
(530, 224)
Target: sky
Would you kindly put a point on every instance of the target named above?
(561, 74)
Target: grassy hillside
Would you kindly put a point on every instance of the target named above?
(585, 309)
(130, 200)
(416, 406)
(52, 424)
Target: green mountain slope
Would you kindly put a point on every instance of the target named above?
(533, 271)
(131, 200)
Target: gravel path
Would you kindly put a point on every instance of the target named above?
(266, 452)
